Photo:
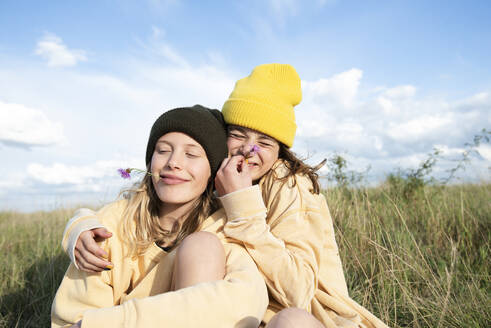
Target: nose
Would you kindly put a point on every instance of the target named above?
(174, 162)
(246, 145)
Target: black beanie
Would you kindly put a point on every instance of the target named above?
(204, 125)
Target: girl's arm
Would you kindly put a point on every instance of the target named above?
(78, 292)
(79, 241)
(239, 300)
(286, 240)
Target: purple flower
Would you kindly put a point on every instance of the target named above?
(125, 173)
(254, 150)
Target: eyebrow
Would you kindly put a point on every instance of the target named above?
(186, 145)
(235, 127)
(192, 145)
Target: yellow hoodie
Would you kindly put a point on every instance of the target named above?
(135, 293)
(288, 231)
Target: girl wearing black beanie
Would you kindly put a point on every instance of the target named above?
(165, 244)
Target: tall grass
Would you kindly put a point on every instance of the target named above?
(418, 262)
(414, 262)
(31, 266)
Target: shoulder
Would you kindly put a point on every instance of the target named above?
(111, 215)
(279, 184)
(279, 177)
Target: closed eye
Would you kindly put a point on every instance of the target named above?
(265, 144)
(237, 136)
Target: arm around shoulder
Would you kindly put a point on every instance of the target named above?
(84, 219)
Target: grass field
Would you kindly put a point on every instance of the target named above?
(417, 262)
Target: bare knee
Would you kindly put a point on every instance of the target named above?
(294, 317)
(202, 244)
(200, 258)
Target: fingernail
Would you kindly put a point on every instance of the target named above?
(104, 255)
(109, 267)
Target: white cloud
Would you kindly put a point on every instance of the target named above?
(108, 115)
(450, 151)
(400, 92)
(485, 151)
(173, 56)
(341, 88)
(82, 177)
(391, 99)
(52, 48)
(481, 98)
(417, 128)
(25, 127)
(387, 127)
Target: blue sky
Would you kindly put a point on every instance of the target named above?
(383, 82)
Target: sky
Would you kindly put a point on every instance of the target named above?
(383, 82)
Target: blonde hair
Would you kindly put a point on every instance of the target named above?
(141, 225)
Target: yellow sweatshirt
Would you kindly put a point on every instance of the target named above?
(135, 293)
(288, 231)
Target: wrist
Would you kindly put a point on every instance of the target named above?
(243, 203)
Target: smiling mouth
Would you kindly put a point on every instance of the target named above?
(171, 180)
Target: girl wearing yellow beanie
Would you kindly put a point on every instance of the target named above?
(275, 210)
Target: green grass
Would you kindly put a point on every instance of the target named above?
(418, 262)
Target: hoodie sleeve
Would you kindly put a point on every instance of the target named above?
(285, 239)
(84, 219)
(239, 300)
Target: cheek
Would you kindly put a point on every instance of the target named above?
(153, 163)
(156, 163)
(270, 157)
(202, 172)
(233, 144)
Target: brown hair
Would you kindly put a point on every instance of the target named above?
(296, 166)
(141, 225)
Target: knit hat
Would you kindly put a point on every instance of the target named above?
(204, 125)
(264, 101)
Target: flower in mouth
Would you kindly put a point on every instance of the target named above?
(126, 173)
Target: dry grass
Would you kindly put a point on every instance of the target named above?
(421, 262)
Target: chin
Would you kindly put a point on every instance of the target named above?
(174, 199)
(175, 196)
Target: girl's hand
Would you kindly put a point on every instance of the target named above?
(233, 175)
(89, 256)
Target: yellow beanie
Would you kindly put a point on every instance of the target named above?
(264, 101)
